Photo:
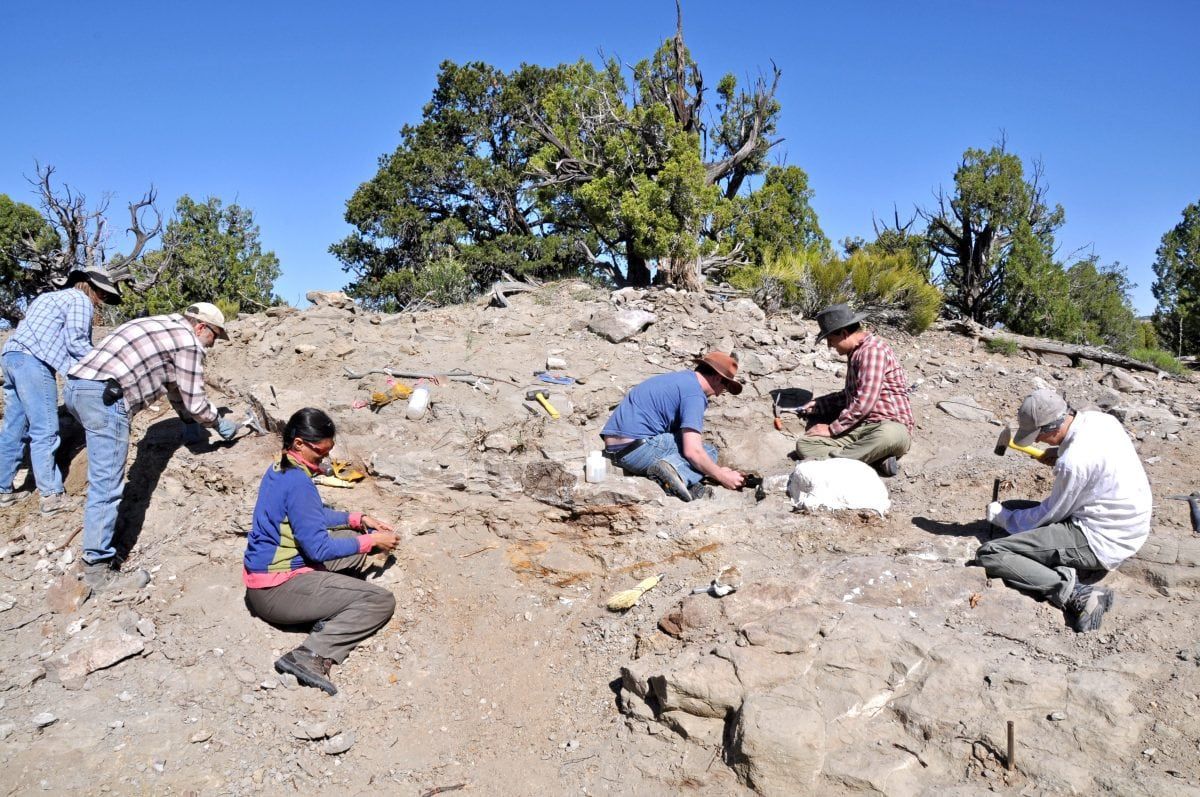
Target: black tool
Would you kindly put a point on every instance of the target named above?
(1193, 502)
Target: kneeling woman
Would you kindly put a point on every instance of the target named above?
(296, 571)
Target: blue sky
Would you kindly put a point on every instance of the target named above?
(286, 107)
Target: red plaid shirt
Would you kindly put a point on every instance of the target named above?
(876, 390)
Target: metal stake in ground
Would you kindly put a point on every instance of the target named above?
(1011, 763)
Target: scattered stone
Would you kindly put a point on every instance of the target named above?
(305, 348)
(1057, 716)
(1124, 381)
(746, 307)
(43, 720)
(500, 441)
(757, 364)
(6, 729)
(334, 299)
(7, 602)
(340, 349)
(145, 627)
(622, 325)
(311, 730)
(338, 744)
(966, 408)
(556, 364)
(67, 594)
(102, 645)
(200, 737)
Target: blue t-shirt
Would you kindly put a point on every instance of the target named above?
(663, 403)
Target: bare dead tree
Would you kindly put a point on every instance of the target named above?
(83, 237)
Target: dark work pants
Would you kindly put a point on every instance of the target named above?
(1042, 562)
(348, 608)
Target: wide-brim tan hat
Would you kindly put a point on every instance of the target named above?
(725, 366)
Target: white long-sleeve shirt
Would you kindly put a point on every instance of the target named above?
(1099, 483)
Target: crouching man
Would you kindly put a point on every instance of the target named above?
(1096, 516)
(656, 429)
(871, 419)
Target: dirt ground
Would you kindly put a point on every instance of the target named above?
(502, 670)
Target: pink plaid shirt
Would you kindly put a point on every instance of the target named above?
(876, 390)
(150, 357)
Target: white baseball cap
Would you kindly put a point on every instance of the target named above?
(209, 314)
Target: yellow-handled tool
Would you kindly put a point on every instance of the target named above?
(1005, 442)
(542, 398)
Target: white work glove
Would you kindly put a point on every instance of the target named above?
(997, 515)
(226, 428)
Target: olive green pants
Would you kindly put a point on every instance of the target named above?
(867, 442)
(1043, 562)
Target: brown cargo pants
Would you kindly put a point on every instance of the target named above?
(344, 609)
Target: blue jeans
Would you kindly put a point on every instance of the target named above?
(30, 413)
(666, 446)
(107, 429)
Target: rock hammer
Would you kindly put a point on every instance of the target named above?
(1005, 442)
(542, 397)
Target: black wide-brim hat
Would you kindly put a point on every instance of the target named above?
(835, 317)
(109, 291)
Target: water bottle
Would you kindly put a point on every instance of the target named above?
(595, 468)
(417, 403)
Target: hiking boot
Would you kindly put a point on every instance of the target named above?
(1086, 607)
(699, 491)
(669, 479)
(8, 499)
(309, 668)
(53, 504)
(101, 577)
(888, 467)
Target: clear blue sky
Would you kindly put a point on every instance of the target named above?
(286, 107)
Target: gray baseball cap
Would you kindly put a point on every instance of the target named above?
(1040, 408)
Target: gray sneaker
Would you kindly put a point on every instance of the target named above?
(53, 504)
(8, 499)
(888, 467)
(101, 577)
(669, 479)
(1086, 607)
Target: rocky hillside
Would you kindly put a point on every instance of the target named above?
(859, 654)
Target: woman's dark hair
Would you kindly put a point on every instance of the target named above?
(310, 425)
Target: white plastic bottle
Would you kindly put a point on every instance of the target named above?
(417, 403)
(596, 467)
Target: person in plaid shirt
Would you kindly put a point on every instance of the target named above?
(140, 361)
(871, 419)
(55, 333)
